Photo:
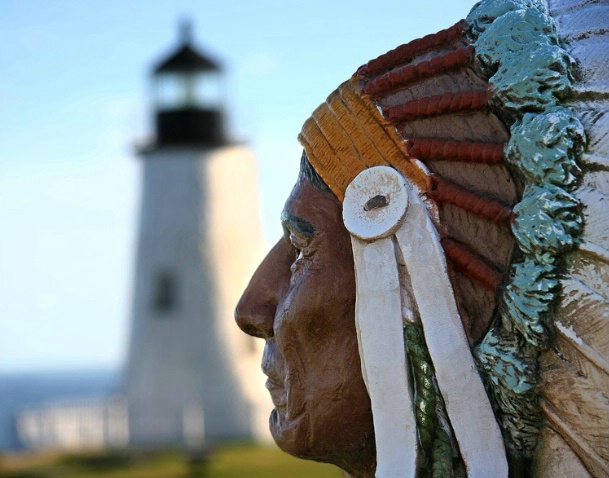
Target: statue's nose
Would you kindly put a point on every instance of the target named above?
(253, 317)
(255, 312)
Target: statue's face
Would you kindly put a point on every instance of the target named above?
(301, 301)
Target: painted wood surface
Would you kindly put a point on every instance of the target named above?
(379, 322)
(378, 317)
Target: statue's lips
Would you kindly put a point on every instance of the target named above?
(277, 392)
(271, 367)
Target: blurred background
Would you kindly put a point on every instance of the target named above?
(76, 102)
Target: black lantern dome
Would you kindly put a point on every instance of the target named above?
(188, 88)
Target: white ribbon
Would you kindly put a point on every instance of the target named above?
(383, 213)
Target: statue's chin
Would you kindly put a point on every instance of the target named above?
(295, 436)
(291, 434)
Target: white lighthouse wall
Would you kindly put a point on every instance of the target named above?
(237, 247)
(200, 228)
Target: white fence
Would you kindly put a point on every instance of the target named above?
(75, 425)
(106, 423)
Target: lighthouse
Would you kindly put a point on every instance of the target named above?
(191, 375)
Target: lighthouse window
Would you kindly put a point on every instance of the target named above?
(165, 293)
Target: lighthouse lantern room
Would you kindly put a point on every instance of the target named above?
(188, 89)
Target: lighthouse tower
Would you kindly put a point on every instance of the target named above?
(191, 374)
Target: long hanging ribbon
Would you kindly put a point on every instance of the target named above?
(382, 212)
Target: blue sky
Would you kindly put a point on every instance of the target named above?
(74, 99)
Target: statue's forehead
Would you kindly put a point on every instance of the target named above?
(308, 208)
(297, 200)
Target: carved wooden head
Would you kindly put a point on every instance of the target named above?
(473, 119)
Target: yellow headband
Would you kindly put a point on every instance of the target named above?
(348, 134)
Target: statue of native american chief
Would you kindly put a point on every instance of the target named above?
(439, 305)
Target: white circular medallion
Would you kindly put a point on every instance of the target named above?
(375, 203)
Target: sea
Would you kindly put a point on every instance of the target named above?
(22, 390)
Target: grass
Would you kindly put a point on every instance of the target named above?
(225, 461)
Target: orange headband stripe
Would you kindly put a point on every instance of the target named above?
(384, 134)
(322, 156)
(331, 127)
(348, 134)
(359, 136)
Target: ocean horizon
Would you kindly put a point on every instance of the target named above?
(20, 390)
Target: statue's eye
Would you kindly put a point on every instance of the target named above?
(298, 263)
(298, 242)
(299, 245)
(297, 254)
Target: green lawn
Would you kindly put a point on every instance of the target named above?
(226, 461)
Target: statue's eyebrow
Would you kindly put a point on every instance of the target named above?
(297, 224)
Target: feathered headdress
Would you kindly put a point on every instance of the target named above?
(487, 122)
